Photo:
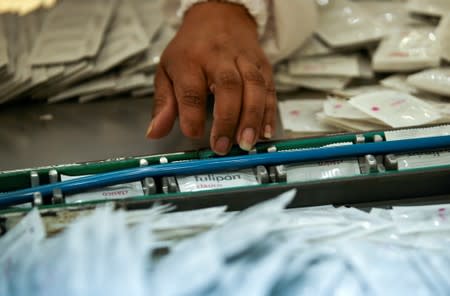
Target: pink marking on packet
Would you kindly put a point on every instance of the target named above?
(398, 102)
(399, 54)
(442, 214)
(295, 113)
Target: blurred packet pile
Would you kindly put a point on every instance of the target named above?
(264, 250)
(79, 49)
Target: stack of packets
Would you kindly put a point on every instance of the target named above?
(79, 49)
(377, 64)
(23, 7)
(264, 250)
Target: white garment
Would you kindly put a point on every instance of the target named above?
(283, 25)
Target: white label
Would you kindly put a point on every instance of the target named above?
(217, 181)
(26, 233)
(323, 170)
(396, 109)
(414, 133)
(111, 192)
(423, 160)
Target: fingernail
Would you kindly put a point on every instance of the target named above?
(247, 139)
(222, 145)
(268, 131)
(149, 129)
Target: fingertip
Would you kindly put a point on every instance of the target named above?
(154, 131)
(161, 125)
(221, 146)
(247, 139)
(148, 134)
(268, 131)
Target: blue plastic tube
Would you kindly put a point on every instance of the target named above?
(224, 164)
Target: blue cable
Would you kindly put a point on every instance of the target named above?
(224, 164)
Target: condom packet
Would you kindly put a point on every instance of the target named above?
(299, 116)
(351, 125)
(396, 109)
(345, 23)
(352, 91)
(429, 7)
(436, 81)
(330, 65)
(421, 219)
(399, 82)
(410, 49)
(341, 108)
(312, 47)
(17, 245)
(391, 14)
(443, 34)
(321, 83)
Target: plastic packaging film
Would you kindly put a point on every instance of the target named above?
(275, 250)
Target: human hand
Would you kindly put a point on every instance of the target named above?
(216, 49)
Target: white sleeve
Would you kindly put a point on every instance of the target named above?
(290, 23)
(283, 25)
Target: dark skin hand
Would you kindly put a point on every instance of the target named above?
(215, 50)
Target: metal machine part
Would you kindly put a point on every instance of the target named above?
(148, 184)
(58, 196)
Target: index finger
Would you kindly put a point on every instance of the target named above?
(227, 107)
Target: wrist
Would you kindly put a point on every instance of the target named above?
(219, 14)
(253, 9)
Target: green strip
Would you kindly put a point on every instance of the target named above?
(14, 180)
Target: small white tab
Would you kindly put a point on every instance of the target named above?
(143, 162)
